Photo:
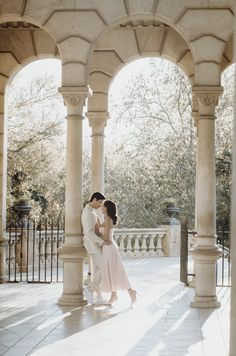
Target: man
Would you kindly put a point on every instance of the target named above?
(93, 243)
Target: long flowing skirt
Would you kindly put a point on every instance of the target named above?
(114, 276)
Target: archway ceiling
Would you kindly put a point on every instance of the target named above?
(137, 39)
(76, 25)
(129, 41)
(20, 43)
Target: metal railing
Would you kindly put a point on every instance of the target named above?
(32, 251)
(223, 268)
(223, 265)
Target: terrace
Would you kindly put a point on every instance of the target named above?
(160, 323)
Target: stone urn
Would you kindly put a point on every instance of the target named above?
(171, 210)
(22, 208)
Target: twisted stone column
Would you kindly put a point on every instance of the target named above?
(205, 253)
(73, 252)
(97, 121)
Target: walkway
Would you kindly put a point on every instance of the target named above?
(160, 324)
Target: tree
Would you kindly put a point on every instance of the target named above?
(224, 129)
(152, 153)
(157, 149)
(36, 145)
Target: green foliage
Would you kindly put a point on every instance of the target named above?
(153, 150)
(150, 155)
(156, 158)
(224, 125)
(36, 145)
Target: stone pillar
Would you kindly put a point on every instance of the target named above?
(3, 189)
(205, 253)
(171, 242)
(72, 251)
(232, 341)
(97, 121)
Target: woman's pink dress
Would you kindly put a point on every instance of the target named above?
(114, 276)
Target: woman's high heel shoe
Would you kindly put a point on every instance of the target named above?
(133, 296)
(113, 299)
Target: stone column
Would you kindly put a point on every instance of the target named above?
(232, 341)
(72, 251)
(97, 121)
(205, 253)
(3, 190)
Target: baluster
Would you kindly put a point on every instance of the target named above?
(54, 250)
(137, 252)
(144, 246)
(129, 252)
(159, 250)
(12, 255)
(122, 246)
(151, 251)
(60, 243)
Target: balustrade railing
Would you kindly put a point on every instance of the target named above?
(31, 249)
(140, 242)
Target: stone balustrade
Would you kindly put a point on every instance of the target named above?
(28, 250)
(140, 242)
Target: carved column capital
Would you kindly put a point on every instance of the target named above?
(74, 98)
(97, 121)
(205, 100)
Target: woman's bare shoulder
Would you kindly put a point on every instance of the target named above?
(108, 221)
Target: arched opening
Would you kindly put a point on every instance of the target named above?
(150, 142)
(36, 138)
(20, 43)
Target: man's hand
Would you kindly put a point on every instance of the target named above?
(107, 242)
(97, 229)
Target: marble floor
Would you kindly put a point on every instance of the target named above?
(161, 323)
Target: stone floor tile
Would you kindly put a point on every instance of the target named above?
(161, 323)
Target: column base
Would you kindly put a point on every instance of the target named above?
(67, 300)
(205, 259)
(3, 280)
(205, 302)
(73, 257)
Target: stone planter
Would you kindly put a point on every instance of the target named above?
(171, 211)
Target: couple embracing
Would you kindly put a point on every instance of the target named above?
(108, 273)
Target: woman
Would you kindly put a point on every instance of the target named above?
(114, 276)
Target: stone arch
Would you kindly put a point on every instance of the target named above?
(126, 43)
(20, 44)
(76, 27)
(228, 56)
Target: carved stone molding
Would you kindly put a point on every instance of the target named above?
(74, 98)
(205, 100)
(97, 121)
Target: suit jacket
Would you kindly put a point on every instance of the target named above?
(92, 242)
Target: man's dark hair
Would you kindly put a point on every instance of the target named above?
(98, 196)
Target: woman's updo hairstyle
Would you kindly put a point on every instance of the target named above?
(111, 210)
